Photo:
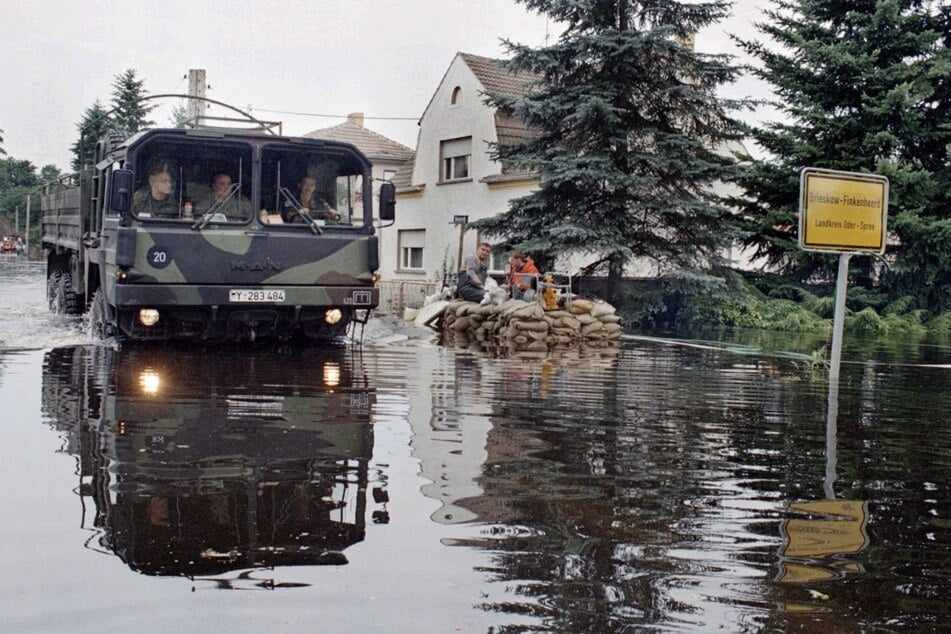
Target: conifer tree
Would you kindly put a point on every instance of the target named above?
(627, 136)
(863, 86)
(94, 124)
(131, 114)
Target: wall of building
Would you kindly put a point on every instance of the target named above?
(433, 208)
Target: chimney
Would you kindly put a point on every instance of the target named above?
(355, 118)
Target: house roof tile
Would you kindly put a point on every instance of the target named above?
(376, 146)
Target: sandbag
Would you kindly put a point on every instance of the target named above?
(580, 306)
(599, 308)
(592, 327)
(537, 326)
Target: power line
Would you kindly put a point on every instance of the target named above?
(332, 116)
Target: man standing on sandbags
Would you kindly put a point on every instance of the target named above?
(475, 269)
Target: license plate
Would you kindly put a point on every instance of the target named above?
(255, 295)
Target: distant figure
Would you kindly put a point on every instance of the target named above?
(224, 198)
(311, 203)
(19, 246)
(523, 276)
(156, 200)
(475, 268)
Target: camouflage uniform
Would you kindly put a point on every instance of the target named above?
(237, 208)
(319, 210)
(144, 205)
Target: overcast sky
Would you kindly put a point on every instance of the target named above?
(384, 58)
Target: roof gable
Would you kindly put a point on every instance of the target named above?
(375, 146)
(497, 79)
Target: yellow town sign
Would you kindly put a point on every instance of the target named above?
(842, 211)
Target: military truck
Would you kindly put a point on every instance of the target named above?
(151, 246)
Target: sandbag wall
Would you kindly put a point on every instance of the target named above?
(527, 326)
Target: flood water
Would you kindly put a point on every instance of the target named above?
(402, 486)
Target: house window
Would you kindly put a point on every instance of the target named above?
(411, 242)
(455, 95)
(500, 260)
(455, 158)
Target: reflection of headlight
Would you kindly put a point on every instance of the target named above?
(150, 381)
(331, 374)
(333, 315)
(148, 316)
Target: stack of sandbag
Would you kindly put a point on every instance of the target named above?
(598, 319)
(517, 324)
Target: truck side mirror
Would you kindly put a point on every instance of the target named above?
(120, 199)
(387, 201)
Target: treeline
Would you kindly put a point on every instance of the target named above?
(20, 178)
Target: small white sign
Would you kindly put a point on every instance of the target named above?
(272, 296)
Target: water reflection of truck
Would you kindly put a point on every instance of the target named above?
(150, 250)
(201, 464)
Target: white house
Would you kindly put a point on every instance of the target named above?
(453, 176)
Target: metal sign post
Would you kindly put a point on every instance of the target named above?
(462, 220)
(844, 213)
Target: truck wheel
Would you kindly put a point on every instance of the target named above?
(67, 302)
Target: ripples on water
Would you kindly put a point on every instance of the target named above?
(25, 322)
(655, 487)
(685, 489)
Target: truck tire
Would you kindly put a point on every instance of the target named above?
(101, 326)
(66, 302)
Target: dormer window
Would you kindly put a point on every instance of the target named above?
(456, 92)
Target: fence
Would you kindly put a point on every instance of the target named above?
(395, 295)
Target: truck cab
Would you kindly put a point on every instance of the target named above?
(217, 234)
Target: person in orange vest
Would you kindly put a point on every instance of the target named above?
(523, 276)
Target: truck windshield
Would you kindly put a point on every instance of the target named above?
(193, 180)
(301, 187)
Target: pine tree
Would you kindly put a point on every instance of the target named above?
(863, 86)
(628, 136)
(94, 124)
(131, 114)
(2, 151)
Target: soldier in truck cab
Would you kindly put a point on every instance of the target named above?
(311, 203)
(224, 198)
(156, 200)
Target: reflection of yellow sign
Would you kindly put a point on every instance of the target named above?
(829, 528)
(842, 211)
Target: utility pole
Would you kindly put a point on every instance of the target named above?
(26, 242)
(196, 88)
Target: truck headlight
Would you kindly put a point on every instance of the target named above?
(148, 316)
(333, 316)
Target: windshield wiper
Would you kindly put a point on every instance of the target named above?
(202, 222)
(314, 226)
